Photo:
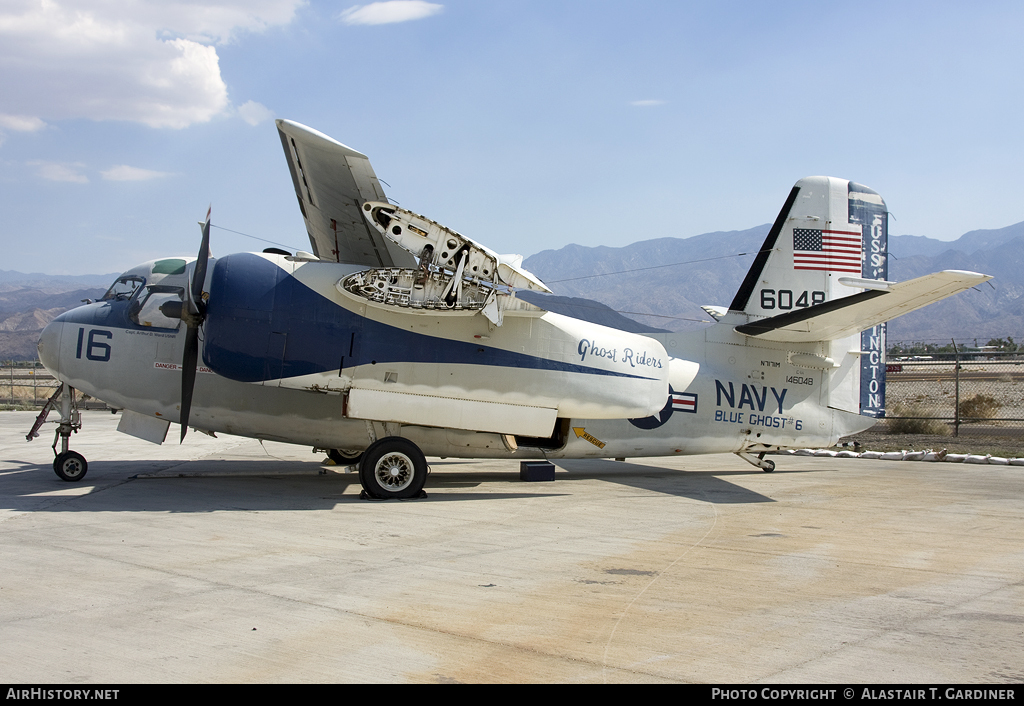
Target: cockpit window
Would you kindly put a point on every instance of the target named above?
(146, 310)
(124, 287)
(171, 266)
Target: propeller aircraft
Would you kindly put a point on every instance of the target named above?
(397, 338)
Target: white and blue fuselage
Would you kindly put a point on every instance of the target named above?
(289, 356)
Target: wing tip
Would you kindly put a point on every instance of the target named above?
(967, 275)
(310, 136)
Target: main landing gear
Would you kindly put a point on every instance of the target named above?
(68, 465)
(345, 457)
(393, 468)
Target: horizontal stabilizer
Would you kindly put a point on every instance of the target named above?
(845, 316)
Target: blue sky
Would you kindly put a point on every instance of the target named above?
(525, 125)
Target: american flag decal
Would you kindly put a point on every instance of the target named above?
(827, 250)
(684, 402)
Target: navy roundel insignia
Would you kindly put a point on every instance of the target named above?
(677, 401)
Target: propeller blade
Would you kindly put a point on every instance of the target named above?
(199, 273)
(197, 313)
(188, 375)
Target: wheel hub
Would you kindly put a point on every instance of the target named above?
(394, 471)
(70, 466)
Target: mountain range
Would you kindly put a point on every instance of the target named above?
(652, 285)
(669, 279)
(29, 302)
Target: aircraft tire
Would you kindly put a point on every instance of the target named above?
(393, 468)
(70, 466)
(768, 466)
(345, 457)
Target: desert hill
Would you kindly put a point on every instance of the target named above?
(652, 285)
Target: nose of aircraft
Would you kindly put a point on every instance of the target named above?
(49, 346)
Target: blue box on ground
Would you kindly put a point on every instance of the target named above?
(536, 470)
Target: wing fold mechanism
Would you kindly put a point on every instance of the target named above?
(846, 316)
(455, 272)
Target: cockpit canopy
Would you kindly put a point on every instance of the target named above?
(124, 287)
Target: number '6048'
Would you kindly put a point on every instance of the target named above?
(787, 299)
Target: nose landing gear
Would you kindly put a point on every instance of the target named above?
(68, 465)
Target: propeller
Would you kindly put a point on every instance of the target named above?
(193, 312)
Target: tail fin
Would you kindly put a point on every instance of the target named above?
(828, 229)
(830, 233)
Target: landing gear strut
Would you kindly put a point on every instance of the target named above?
(760, 462)
(68, 465)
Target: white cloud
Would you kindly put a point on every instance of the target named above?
(647, 103)
(254, 113)
(60, 171)
(382, 13)
(122, 172)
(140, 60)
(21, 123)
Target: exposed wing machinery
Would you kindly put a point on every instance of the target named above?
(455, 272)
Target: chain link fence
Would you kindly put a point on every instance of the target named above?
(934, 395)
(981, 392)
(27, 385)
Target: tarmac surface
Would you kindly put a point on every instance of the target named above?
(224, 560)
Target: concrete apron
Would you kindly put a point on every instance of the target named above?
(236, 562)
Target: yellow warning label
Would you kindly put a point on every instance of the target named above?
(581, 433)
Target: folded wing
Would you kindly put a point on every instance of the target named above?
(331, 182)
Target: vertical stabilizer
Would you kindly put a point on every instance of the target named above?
(830, 237)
